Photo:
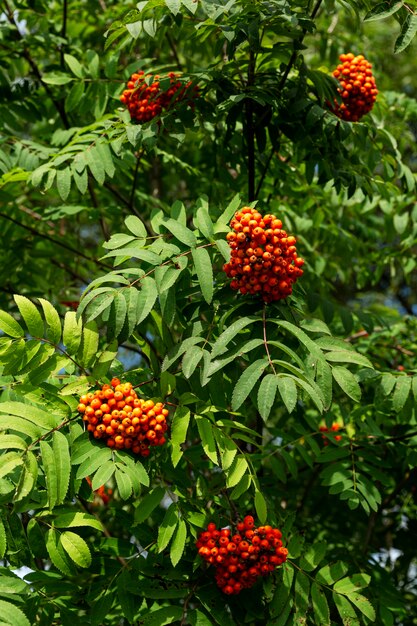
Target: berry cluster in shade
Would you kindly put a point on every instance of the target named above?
(115, 414)
(241, 558)
(264, 258)
(145, 98)
(333, 429)
(357, 87)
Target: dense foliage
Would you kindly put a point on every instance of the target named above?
(120, 237)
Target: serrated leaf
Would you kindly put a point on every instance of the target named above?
(72, 333)
(42, 419)
(401, 392)
(203, 222)
(9, 326)
(181, 232)
(53, 323)
(146, 298)
(63, 182)
(61, 453)
(247, 381)
(227, 448)
(27, 478)
(261, 507)
(148, 504)
(56, 78)
(179, 429)
(331, 572)
(89, 345)
(204, 269)
(288, 392)
(191, 359)
(363, 605)
(173, 5)
(266, 395)
(12, 441)
(136, 226)
(352, 584)
(178, 543)
(51, 477)
(57, 554)
(11, 614)
(347, 382)
(124, 484)
(101, 608)
(167, 527)
(77, 520)
(162, 617)
(346, 610)
(348, 356)
(406, 36)
(30, 315)
(301, 596)
(103, 474)
(227, 335)
(76, 548)
(94, 459)
(313, 556)
(71, 102)
(236, 471)
(382, 10)
(205, 430)
(320, 606)
(94, 163)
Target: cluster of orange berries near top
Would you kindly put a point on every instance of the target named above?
(115, 414)
(333, 429)
(145, 99)
(357, 87)
(242, 557)
(264, 258)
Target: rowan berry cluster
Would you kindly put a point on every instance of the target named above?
(333, 429)
(115, 414)
(145, 99)
(242, 557)
(264, 258)
(357, 87)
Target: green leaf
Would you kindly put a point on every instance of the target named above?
(101, 608)
(136, 226)
(301, 595)
(167, 527)
(331, 572)
(227, 335)
(348, 356)
(260, 507)
(95, 457)
(103, 474)
(312, 557)
(148, 504)
(406, 36)
(42, 419)
(346, 610)
(11, 614)
(166, 615)
(124, 484)
(3, 540)
(95, 164)
(76, 520)
(28, 477)
(178, 543)
(236, 471)
(179, 429)
(247, 381)
(180, 232)
(363, 605)
(205, 429)
(227, 448)
(9, 326)
(351, 584)
(76, 548)
(72, 100)
(30, 315)
(56, 78)
(203, 222)
(61, 453)
(12, 441)
(146, 298)
(320, 605)
(173, 5)
(51, 477)
(288, 392)
(347, 382)
(382, 10)
(57, 554)
(53, 323)
(266, 395)
(191, 359)
(401, 392)
(72, 332)
(204, 271)
(63, 182)
(89, 345)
